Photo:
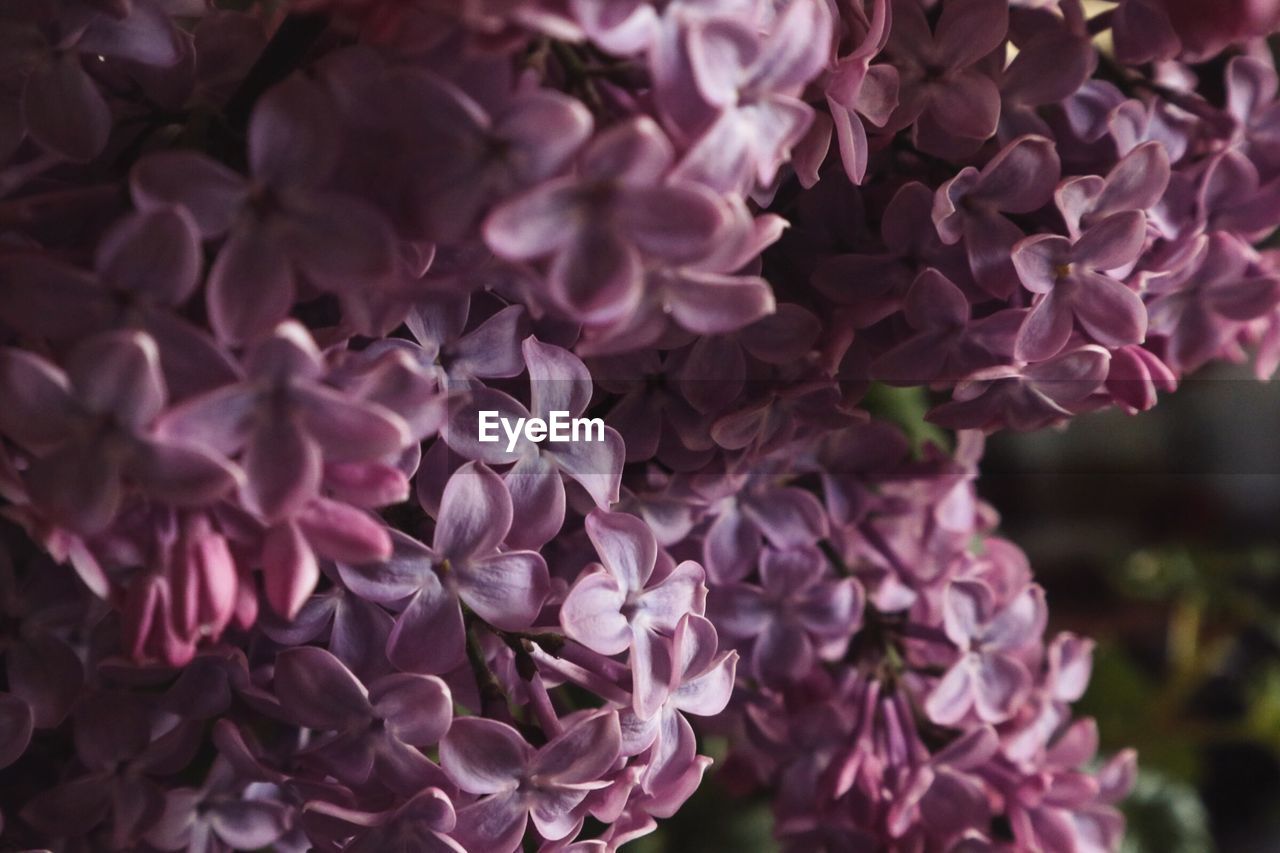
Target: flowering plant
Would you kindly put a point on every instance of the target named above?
(266, 272)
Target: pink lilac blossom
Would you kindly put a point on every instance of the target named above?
(261, 270)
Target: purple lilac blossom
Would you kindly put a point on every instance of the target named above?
(260, 270)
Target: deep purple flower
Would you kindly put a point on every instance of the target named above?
(281, 223)
(796, 616)
(463, 567)
(373, 731)
(515, 781)
(633, 602)
(951, 102)
(972, 207)
(88, 431)
(598, 226)
(988, 677)
(558, 382)
(1073, 286)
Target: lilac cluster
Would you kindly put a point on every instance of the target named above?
(261, 271)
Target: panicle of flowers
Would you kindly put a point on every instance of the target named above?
(262, 270)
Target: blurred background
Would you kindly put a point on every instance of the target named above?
(1159, 536)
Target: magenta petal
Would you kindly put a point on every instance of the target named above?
(249, 824)
(507, 590)
(496, 823)
(597, 276)
(1045, 331)
(1110, 312)
(553, 812)
(183, 475)
(63, 109)
(952, 698)
(1113, 243)
(408, 569)
(39, 408)
(1000, 683)
(145, 35)
(545, 127)
(338, 531)
(491, 350)
(250, 287)
(594, 465)
(1021, 178)
(651, 671)
(209, 191)
(968, 30)
(592, 614)
(78, 486)
(664, 604)
(416, 709)
(337, 240)
(118, 374)
(283, 465)
(318, 691)
(626, 546)
(713, 304)
(16, 724)
(289, 569)
(537, 501)
(428, 636)
(581, 754)
(534, 224)
(484, 756)
(558, 380)
(292, 140)
(155, 255)
(676, 224)
(475, 513)
(347, 430)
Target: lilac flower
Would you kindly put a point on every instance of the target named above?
(1251, 102)
(370, 731)
(62, 107)
(701, 684)
(633, 602)
(88, 432)
(16, 724)
(988, 678)
(1137, 182)
(1198, 308)
(858, 91)
(475, 158)
(796, 616)
(951, 102)
(515, 781)
(421, 823)
(286, 422)
(599, 225)
(487, 351)
(146, 266)
(281, 224)
(463, 567)
(946, 345)
(971, 207)
(1027, 398)
(558, 382)
(750, 85)
(752, 513)
(1071, 279)
(944, 793)
(200, 819)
